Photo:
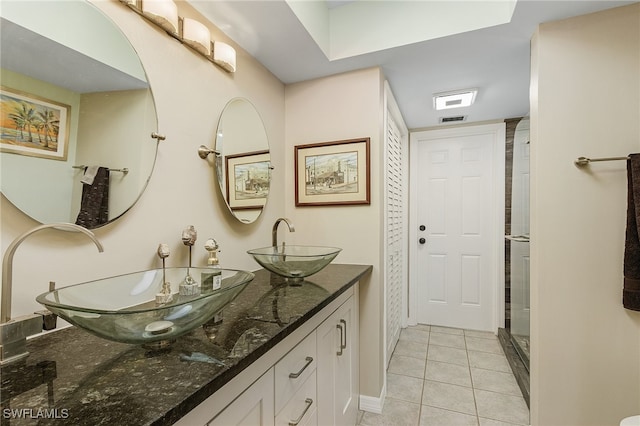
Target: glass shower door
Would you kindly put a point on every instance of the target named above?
(520, 259)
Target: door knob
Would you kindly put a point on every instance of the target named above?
(422, 240)
(422, 227)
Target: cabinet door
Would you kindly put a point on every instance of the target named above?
(253, 407)
(346, 391)
(337, 368)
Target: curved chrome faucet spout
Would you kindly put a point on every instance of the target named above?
(274, 232)
(7, 262)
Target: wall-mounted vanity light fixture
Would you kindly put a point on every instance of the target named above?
(189, 32)
(197, 36)
(162, 13)
(224, 55)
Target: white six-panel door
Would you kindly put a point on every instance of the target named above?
(458, 200)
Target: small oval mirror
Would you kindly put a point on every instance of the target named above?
(74, 95)
(243, 162)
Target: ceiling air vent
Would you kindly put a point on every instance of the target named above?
(453, 119)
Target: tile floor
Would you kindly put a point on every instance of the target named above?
(449, 377)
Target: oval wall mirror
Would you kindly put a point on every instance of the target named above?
(243, 162)
(75, 103)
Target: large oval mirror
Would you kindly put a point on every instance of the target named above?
(243, 162)
(77, 114)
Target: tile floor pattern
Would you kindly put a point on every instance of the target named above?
(449, 377)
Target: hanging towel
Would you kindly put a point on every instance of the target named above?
(631, 290)
(89, 174)
(94, 206)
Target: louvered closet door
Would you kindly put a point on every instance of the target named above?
(394, 226)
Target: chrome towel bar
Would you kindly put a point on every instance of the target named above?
(584, 161)
(124, 170)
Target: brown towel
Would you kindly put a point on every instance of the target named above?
(631, 290)
(94, 207)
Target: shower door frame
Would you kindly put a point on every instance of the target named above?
(520, 225)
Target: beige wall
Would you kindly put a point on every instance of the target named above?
(346, 106)
(585, 101)
(190, 94)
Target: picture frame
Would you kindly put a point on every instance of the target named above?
(32, 125)
(333, 173)
(247, 179)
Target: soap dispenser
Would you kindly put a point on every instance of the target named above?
(212, 280)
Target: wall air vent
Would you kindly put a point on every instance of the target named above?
(453, 119)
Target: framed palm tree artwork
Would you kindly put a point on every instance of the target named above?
(32, 125)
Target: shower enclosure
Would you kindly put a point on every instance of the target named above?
(514, 338)
(519, 243)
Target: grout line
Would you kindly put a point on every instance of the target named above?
(424, 376)
(473, 388)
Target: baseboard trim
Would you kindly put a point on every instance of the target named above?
(373, 404)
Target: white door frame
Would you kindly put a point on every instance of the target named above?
(498, 181)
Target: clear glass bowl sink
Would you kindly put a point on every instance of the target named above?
(294, 262)
(124, 309)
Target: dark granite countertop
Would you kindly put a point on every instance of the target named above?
(80, 379)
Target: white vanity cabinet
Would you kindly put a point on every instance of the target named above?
(309, 378)
(337, 369)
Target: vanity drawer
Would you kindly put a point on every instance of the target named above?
(293, 369)
(301, 409)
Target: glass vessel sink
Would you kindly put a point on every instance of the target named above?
(124, 308)
(294, 262)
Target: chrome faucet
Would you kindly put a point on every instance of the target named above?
(14, 332)
(274, 232)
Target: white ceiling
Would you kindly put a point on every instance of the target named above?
(494, 59)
